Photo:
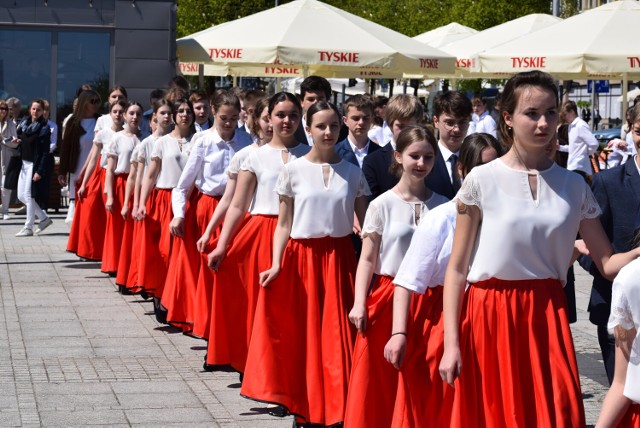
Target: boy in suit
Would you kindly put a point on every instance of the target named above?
(358, 113)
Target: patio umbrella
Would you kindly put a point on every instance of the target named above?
(312, 36)
(446, 34)
(468, 48)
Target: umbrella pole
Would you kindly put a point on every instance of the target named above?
(454, 84)
(625, 102)
(235, 81)
(201, 76)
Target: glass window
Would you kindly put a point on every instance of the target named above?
(83, 58)
(25, 65)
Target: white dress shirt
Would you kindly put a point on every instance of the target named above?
(581, 145)
(360, 153)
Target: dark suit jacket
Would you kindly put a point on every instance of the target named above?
(438, 179)
(376, 170)
(343, 149)
(618, 193)
(301, 135)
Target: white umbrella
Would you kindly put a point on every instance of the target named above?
(468, 48)
(630, 95)
(312, 37)
(446, 34)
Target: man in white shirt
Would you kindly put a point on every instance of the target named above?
(481, 120)
(582, 143)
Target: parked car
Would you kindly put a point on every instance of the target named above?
(605, 135)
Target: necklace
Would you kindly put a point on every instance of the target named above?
(515, 149)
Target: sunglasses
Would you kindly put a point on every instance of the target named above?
(95, 101)
(4, 108)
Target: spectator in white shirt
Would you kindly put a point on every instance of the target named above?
(582, 143)
(481, 120)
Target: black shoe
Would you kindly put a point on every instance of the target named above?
(124, 290)
(209, 367)
(278, 412)
(241, 377)
(144, 295)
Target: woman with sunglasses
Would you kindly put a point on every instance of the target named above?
(77, 141)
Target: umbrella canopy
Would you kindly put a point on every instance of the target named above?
(468, 48)
(598, 43)
(446, 34)
(288, 36)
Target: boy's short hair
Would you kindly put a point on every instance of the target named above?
(251, 98)
(453, 103)
(198, 96)
(403, 107)
(315, 84)
(359, 102)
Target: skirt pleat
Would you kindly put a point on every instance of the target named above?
(235, 294)
(422, 395)
(373, 383)
(126, 249)
(302, 340)
(115, 227)
(631, 418)
(86, 237)
(519, 365)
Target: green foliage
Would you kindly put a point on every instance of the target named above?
(410, 17)
(568, 8)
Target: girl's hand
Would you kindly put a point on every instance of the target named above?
(134, 213)
(395, 350)
(269, 275)
(82, 192)
(109, 204)
(201, 245)
(358, 317)
(142, 212)
(215, 257)
(176, 227)
(125, 211)
(451, 364)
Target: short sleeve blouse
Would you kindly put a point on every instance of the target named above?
(521, 237)
(102, 139)
(234, 164)
(425, 262)
(174, 155)
(121, 147)
(321, 210)
(266, 163)
(395, 221)
(625, 312)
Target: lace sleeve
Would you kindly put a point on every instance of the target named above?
(283, 185)
(590, 207)
(363, 187)
(245, 163)
(234, 165)
(373, 220)
(620, 309)
(112, 146)
(470, 193)
(157, 150)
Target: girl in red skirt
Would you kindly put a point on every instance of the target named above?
(263, 130)
(518, 217)
(160, 124)
(422, 395)
(386, 233)
(168, 156)
(247, 252)
(86, 237)
(301, 344)
(118, 153)
(206, 171)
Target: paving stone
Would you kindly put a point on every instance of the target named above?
(82, 417)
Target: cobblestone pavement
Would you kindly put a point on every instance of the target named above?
(73, 352)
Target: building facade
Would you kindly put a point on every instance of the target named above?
(48, 48)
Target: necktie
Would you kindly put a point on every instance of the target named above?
(455, 177)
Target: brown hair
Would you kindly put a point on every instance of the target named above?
(359, 102)
(471, 150)
(260, 105)
(408, 136)
(198, 96)
(511, 95)
(403, 106)
(228, 98)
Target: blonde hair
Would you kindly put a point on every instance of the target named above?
(403, 107)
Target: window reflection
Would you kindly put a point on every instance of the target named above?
(25, 64)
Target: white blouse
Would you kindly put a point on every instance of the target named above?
(121, 147)
(236, 162)
(207, 166)
(425, 262)
(102, 139)
(174, 155)
(320, 210)
(625, 312)
(266, 164)
(521, 237)
(395, 221)
(86, 142)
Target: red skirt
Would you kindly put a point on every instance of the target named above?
(235, 294)
(180, 286)
(126, 249)
(134, 268)
(631, 418)
(519, 365)
(156, 242)
(302, 340)
(373, 383)
(86, 237)
(422, 395)
(115, 227)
